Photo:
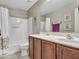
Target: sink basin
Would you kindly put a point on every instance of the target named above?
(61, 38)
(68, 40)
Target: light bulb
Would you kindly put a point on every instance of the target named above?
(28, 0)
(47, 0)
(18, 20)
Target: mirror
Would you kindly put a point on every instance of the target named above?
(63, 15)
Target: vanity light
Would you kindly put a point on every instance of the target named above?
(47, 0)
(28, 0)
(18, 21)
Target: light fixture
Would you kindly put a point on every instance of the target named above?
(47, 0)
(18, 21)
(28, 0)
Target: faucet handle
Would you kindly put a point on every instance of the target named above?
(69, 36)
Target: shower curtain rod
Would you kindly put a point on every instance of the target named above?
(19, 17)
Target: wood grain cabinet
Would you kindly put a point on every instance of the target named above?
(59, 51)
(41, 49)
(31, 48)
(34, 48)
(37, 49)
(48, 50)
(67, 52)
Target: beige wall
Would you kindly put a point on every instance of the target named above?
(58, 16)
(35, 12)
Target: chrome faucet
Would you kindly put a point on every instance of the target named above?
(69, 36)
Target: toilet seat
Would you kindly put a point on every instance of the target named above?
(24, 49)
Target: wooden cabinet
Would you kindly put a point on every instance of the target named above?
(41, 49)
(37, 49)
(31, 48)
(67, 53)
(48, 50)
(59, 51)
(34, 48)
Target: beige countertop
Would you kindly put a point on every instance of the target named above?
(59, 39)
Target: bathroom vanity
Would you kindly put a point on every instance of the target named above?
(50, 47)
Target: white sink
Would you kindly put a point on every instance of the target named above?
(68, 40)
(61, 38)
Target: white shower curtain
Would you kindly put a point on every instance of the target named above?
(42, 26)
(4, 22)
(47, 25)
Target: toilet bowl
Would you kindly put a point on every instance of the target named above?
(24, 49)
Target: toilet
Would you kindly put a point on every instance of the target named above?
(24, 49)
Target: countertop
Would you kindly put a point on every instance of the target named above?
(59, 39)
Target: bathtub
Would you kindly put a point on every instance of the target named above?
(15, 48)
(9, 52)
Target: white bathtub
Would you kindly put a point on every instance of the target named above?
(14, 47)
(9, 51)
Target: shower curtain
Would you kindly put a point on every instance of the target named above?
(47, 25)
(42, 26)
(4, 15)
(4, 27)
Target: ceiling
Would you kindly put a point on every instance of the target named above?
(53, 5)
(18, 4)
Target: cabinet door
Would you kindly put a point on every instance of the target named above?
(69, 53)
(48, 50)
(31, 44)
(59, 51)
(37, 49)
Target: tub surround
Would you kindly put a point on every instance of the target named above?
(45, 46)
